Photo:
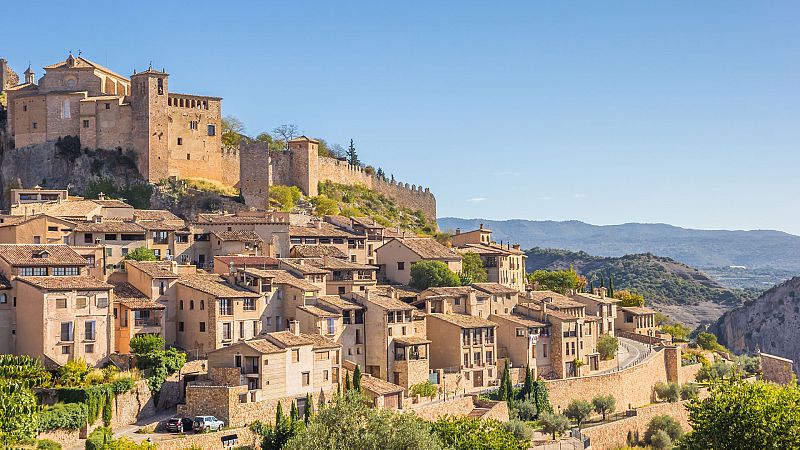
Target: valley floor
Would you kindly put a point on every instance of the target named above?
(693, 315)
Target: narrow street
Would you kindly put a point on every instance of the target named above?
(629, 352)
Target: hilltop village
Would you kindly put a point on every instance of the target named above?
(273, 309)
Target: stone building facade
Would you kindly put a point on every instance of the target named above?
(171, 134)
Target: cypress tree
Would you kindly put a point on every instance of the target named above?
(611, 285)
(602, 281)
(278, 414)
(357, 379)
(527, 388)
(309, 408)
(347, 382)
(321, 401)
(293, 414)
(352, 156)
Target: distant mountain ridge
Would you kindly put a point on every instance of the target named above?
(757, 249)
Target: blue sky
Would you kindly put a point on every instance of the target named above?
(680, 112)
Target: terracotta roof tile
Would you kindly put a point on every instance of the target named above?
(261, 262)
(126, 294)
(238, 236)
(554, 299)
(637, 310)
(155, 214)
(378, 386)
(494, 288)
(318, 312)
(284, 277)
(317, 251)
(428, 248)
(338, 302)
(40, 255)
(110, 226)
(215, 285)
(411, 340)
(330, 263)
(156, 269)
(81, 283)
(382, 301)
(325, 229)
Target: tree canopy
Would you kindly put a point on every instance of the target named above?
(425, 274)
(628, 298)
(561, 281)
(141, 254)
(472, 269)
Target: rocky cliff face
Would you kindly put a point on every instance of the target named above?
(770, 323)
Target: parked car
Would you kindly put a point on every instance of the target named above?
(179, 424)
(174, 425)
(207, 423)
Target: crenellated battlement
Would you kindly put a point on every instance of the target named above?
(302, 167)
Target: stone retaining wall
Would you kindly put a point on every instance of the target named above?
(614, 434)
(210, 440)
(459, 406)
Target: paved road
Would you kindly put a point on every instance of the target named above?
(629, 351)
(129, 431)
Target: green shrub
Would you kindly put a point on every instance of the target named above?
(520, 429)
(284, 198)
(669, 392)
(426, 389)
(607, 346)
(689, 391)
(63, 416)
(578, 410)
(146, 343)
(73, 373)
(661, 440)
(100, 439)
(665, 423)
(95, 398)
(122, 385)
(426, 274)
(523, 409)
(47, 444)
(708, 341)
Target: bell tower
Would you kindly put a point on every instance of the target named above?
(150, 134)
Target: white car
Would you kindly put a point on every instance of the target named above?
(206, 423)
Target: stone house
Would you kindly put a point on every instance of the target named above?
(117, 238)
(34, 229)
(601, 306)
(503, 264)
(232, 263)
(135, 314)
(396, 257)
(156, 280)
(213, 313)
(524, 341)
(344, 276)
(246, 243)
(348, 329)
(318, 232)
(464, 344)
(65, 318)
(247, 379)
(271, 227)
(637, 320)
(396, 347)
(376, 234)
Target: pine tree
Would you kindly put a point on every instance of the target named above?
(381, 174)
(527, 388)
(347, 382)
(611, 285)
(293, 413)
(357, 379)
(278, 414)
(352, 156)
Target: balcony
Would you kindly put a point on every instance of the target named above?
(144, 323)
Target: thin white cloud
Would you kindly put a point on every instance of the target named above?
(477, 199)
(579, 196)
(546, 199)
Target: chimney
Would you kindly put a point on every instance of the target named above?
(458, 231)
(516, 247)
(101, 196)
(391, 291)
(602, 292)
(294, 327)
(481, 227)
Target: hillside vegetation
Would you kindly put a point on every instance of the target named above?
(661, 280)
(352, 201)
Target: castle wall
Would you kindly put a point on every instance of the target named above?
(25, 112)
(255, 174)
(105, 123)
(63, 115)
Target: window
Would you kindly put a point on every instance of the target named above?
(401, 265)
(325, 375)
(81, 302)
(225, 307)
(61, 303)
(466, 359)
(306, 378)
(89, 330)
(241, 330)
(109, 251)
(192, 124)
(180, 141)
(544, 350)
(212, 130)
(227, 332)
(160, 237)
(88, 348)
(66, 112)
(489, 358)
(65, 349)
(87, 238)
(180, 327)
(90, 261)
(191, 305)
(33, 271)
(295, 355)
(66, 331)
(249, 304)
(85, 124)
(66, 271)
(160, 86)
(202, 327)
(520, 332)
(255, 327)
(108, 105)
(3, 299)
(202, 305)
(331, 322)
(180, 305)
(24, 107)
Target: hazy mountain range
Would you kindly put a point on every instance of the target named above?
(756, 250)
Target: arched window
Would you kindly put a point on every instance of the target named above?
(3, 299)
(191, 304)
(202, 304)
(181, 304)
